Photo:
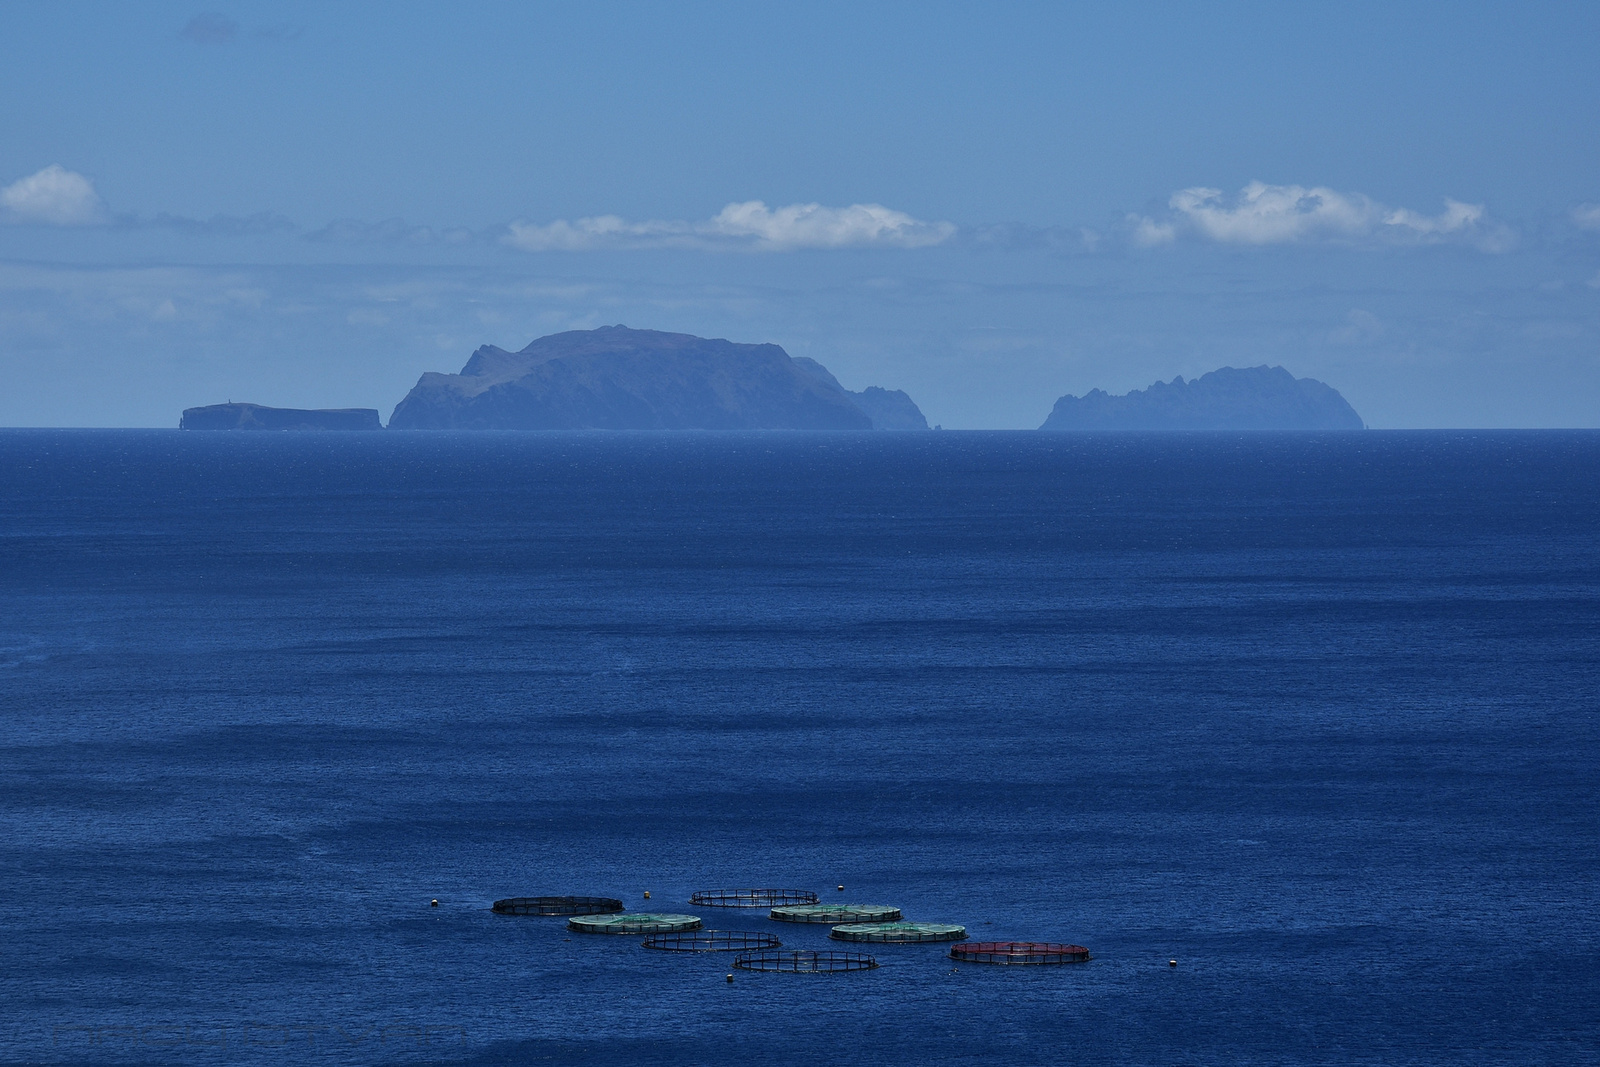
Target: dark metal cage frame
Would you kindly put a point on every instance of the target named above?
(752, 898)
(805, 962)
(1018, 952)
(836, 914)
(712, 941)
(557, 906)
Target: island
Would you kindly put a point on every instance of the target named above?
(1252, 398)
(616, 378)
(231, 416)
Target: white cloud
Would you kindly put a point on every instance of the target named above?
(742, 225)
(815, 226)
(1264, 214)
(1271, 214)
(54, 195)
(1587, 216)
(1147, 232)
(1455, 217)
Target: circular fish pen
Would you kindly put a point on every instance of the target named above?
(556, 906)
(638, 922)
(712, 941)
(1018, 952)
(833, 914)
(898, 933)
(805, 962)
(751, 898)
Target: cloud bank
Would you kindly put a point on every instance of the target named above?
(1263, 214)
(53, 196)
(750, 225)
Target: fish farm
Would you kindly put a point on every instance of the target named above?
(1018, 952)
(898, 933)
(757, 951)
(805, 962)
(639, 922)
(751, 898)
(833, 914)
(712, 941)
(556, 906)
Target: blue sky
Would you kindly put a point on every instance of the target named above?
(986, 206)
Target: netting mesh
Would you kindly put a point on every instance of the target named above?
(898, 933)
(836, 913)
(639, 922)
(1018, 952)
(556, 906)
(752, 898)
(805, 962)
(712, 941)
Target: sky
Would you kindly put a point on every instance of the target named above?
(988, 206)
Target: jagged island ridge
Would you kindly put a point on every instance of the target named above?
(1253, 398)
(614, 378)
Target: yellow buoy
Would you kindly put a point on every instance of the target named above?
(647, 894)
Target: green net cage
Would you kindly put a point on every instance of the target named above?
(898, 933)
(637, 922)
(556, 906)
(832, 914)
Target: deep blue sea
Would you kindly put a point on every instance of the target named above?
(1318, 716)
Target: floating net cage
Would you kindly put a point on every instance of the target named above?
(638, 922)
(898, 933)
(556, 906)
(712, 941)
(752, 898)
(833, 914)
(805, 962)
(1023, 952)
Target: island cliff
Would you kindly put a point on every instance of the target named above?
(614, 378)
(232, 416)
(1253, 398)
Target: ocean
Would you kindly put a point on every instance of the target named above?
(1316, 716)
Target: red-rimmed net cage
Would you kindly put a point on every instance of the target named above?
(556, 906)
(712, 941)
(1025, 952)
(805, 962)
(752, 898)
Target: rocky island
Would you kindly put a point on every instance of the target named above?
(614, 378)
(231, 416)
(1253, 398)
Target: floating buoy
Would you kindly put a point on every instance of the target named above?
(841, 889)
(647, 894)
(434, 903)
(730, 979)
(1172, 963)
